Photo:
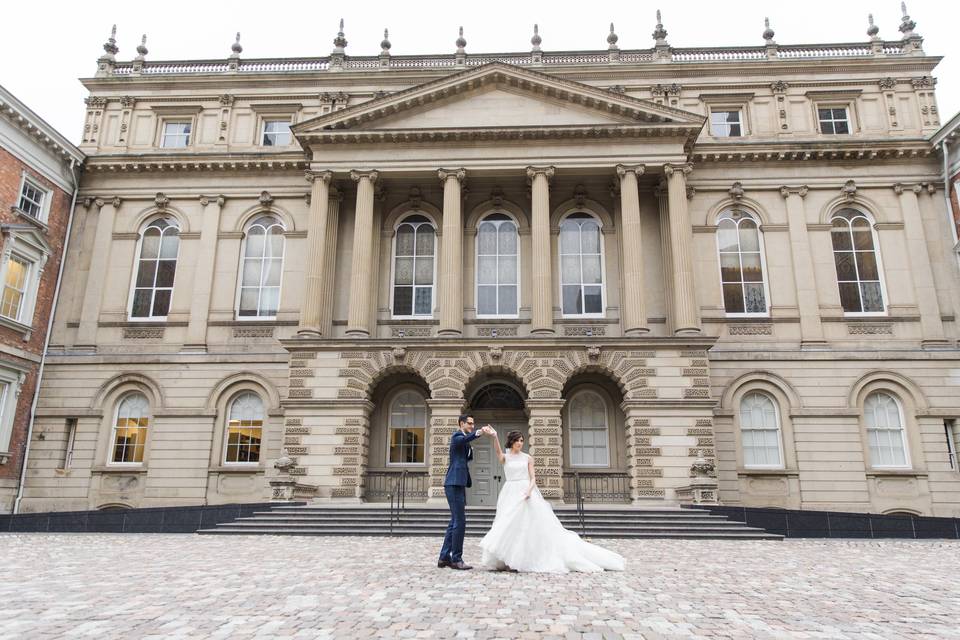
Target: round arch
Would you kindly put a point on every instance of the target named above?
(127, 382)
(745, 204)
(585, 206)
(245, 218)
(871, 210)
(393, 219)
(759, 379)
(512, 210)
(881, 379)
(495, 374)
(147, 216)
(226, 385)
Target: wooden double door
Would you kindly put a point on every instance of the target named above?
(485, 470)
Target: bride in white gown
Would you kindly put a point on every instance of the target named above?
(526, 535)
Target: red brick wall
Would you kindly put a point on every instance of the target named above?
(11, 170)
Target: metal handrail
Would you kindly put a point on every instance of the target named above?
(583, 526)
(398, 499)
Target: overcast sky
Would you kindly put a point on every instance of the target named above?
(58, 42)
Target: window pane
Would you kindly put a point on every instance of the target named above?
(424, 271)
(727, 235)
(255, 241)
(570, 269)
(749, 236)
(752, 268)
(273, 272)
(862, 237)
(269, 301)
(150, 248)
(425, 240)
(161, 303)
(733, 298)
(508, 300)
(249, 297)
(840, 236)
(507, 238)
(251, 272)
(591, 270)
(508, 270)
(569, 237)
(487, 239)
(275, 246)
(755, 301)
(872, 296)
(841, 127)
(405, 240)
(487, 270)
(165, 273)
(487, 300)
(169, 245)
(846, 269)
(403, 301)
(572, 303)
(850, 297)
(867, 265)
(730, 267)
(141, 303)
(146, 273)
(423, 301)
(590, 237)
(404, 271)
(593, 300)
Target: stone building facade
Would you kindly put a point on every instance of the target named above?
(684, 274)
(39, 172)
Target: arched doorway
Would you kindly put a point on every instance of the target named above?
(501, 403)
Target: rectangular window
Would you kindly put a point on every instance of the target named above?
(31, 199)
(726, 123)
(14, 288)
(953, 442)
(176, 135)
(71, 438)
(243, 440)
(276, 133)
(833, 120)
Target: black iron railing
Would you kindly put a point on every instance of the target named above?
(597, 487)
(380, 485)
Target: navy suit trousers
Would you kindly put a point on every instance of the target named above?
(452, 550)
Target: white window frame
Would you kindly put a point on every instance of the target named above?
(953, 440)
(390, 429)
(243, 251)
(876, 250)
(191, 122)
(903, 432)
(226, 431)
(728, 215)
(476, 267)
(728, 109)
(393, 269)
(136, 271)
(603, 268)
(46, 196)
(779, 430)
(24, 293)
(112, 443)
(28, 246)
(11, 379)
(833, 106)
(606, 414)
(263, 131)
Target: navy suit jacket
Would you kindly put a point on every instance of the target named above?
(458, 473)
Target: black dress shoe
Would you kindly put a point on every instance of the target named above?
(462, 566)
(441, 564)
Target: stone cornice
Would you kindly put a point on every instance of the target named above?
(862, 149)
(24, 119)
(142, 163)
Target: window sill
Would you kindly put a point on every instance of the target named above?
(119, 468)
(4, 457)
(24, 329)
(23, 215)
(251, 468)
(896, 473)
(769, 472)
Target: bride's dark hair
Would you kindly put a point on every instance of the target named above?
(512, 437)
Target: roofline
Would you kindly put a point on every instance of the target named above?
(10, 104)
(950, 130)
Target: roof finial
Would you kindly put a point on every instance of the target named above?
(236, 48)
(536, 39)
(612, 38)
(110, 46)
(340, 42)
(461, 42)
(142, 48)
(873, 29)
(660, 34)
(906, 24)
(768, 32)
(385, 43)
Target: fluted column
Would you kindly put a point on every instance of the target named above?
(358, 318)
(451, 278)
(686, 312)
(931, 325)
(310, 323)
(542, 312)
(204, 272)
(328, 280)
(666, 253)
(93, 292)
(634, 305)
(804, 275)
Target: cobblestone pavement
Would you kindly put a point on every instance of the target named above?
(186, 586)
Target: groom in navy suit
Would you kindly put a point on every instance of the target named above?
(455, 487)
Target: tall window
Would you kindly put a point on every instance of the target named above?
(156, 268)
(741, 264)
(885, 432)
(32, 198)
(858, 271)
(15, 288)
(261, 269)
(244, 428)
(760, 431)
(407, 429)
(497, 266)
(589, 437)
(276, 133)
(413, 267)
(726, 123)
(581, 265)
(130, 429)
(833, 120)
(176, 135)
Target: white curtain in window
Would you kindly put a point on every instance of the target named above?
(262, 268)
(581, 265)
(413, 270)
(130, 428)
(760, 431)
(497, 266)
(885, 432)
(156, 269)
(741, 264)
(589, 436)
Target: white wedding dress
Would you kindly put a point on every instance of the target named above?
(527, 536)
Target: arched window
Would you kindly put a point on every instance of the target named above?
(497, 396)
(414, 251)
(156, 268)
(497, 267)
(244, 428)
(261, 269)
(130, 429)
(742, 276)
(857, 261)
(589, 436)
(581, 265)
(407, 429)
(760, 431)
(885, 432)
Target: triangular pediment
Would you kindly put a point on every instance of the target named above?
(498, 96)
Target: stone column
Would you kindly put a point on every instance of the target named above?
(804, 275)
(634, 305)
(685, 303)
(666, 253)
(204, 273)
(310, 308)
(358, 318)
(328, 279)
(546, 446)
(451, 275)
(542, 312)
(93, 292)
(444, 414)
(931, 325)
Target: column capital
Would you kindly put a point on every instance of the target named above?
(684, 167)
(325, 176)
(357, 176)
(623, 170)
(801, 191)
(899, 188)
(460, 174)
(549, 172)
(115, 201)
(220, 200)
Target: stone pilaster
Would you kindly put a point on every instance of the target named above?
(546, 446)
(358, 318)
(328, 279)
(542, 312)
(686, 312)
(310, 308)
(804, 275)
(443, 422)
(93, 292)
(203, 281)
(451, 275)
(666, 252)
(634, 305)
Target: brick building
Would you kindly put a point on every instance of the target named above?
(39, 169)
(947, 140)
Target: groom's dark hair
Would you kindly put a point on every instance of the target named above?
(464, 418)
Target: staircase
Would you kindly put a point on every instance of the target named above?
(374, 520)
